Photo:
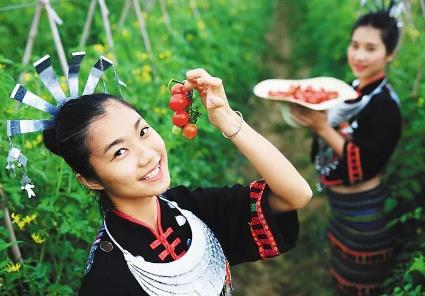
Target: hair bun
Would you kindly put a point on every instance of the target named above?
(49, 139)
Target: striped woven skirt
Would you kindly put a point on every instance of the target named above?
(361, 246)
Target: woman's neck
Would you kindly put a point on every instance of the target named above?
(366, 81)
(143, 209)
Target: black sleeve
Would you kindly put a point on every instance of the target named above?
(372, 143)
(241, 219)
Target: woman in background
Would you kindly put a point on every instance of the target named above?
(352, 143)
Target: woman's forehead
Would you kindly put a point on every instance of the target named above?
(367, 34)
(118, 121)
(116, 111)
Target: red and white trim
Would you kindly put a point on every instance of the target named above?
(354, 165)
(260, 230)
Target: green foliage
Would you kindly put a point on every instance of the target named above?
(321, 42)
(223, 40)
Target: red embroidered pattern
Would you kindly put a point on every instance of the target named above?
(169, 248)
(228, 280)
(361, 257)
(355, 172)
(324, 181)
(362, 289)
(161, 237)
(260, 230)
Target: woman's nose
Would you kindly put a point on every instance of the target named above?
(359, 55)
(145, 155)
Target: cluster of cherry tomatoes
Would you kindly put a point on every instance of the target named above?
(185, 114)
(307, 94)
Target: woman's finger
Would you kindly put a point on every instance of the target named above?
(209, 80)
(300, 118)
(187, 85)
(196, 73)
(299, 121)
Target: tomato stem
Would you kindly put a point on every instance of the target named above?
(173, 81)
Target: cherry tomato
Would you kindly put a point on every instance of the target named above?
(190, 131)
(178, 88)
(180, 118)
(178, 102)
(176, 130)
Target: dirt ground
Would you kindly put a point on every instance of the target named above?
(303, 271)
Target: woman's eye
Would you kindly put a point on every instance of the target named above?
(144, 131)
(119, 152)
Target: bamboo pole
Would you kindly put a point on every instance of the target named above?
(195, 10)
(142, 26)
(124, 13)
(87, 24)
(418, 78)
(165, 15)
(16, 253)
(106, 24)
(31, 37)
(56, 38)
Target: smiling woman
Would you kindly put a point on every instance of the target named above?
(157, 240)
(352, 143)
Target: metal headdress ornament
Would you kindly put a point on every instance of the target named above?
(395, 8)
(43, 67)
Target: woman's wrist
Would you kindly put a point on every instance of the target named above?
(322, 130)
(230, 123)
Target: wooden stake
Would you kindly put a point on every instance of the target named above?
(124, 13)
(87, 24)
(422, 6)
(106, 23)
(31, 36)
(142, 26)
(33, 33)
(418, 78)
(195, 10)
(165, 15)
(57, 40)
(16, 253)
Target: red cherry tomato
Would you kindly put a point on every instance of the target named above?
(178, 88)
(178, 102)
(180, 118)
(190, 131)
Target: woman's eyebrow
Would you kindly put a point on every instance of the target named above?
(366, 43)
(120, 140)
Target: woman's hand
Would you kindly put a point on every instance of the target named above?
(315, 120)
(318, 122)
(212, 95)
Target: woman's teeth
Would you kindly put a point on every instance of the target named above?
(152, 174)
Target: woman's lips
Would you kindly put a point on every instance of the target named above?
(359, 68)
(154, 174)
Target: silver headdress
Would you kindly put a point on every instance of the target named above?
(43, 67)
(395, 8)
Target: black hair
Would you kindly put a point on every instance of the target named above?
(70, 133)
(386, 24)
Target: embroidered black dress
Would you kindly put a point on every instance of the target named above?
(361, 246)
(240, 217)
